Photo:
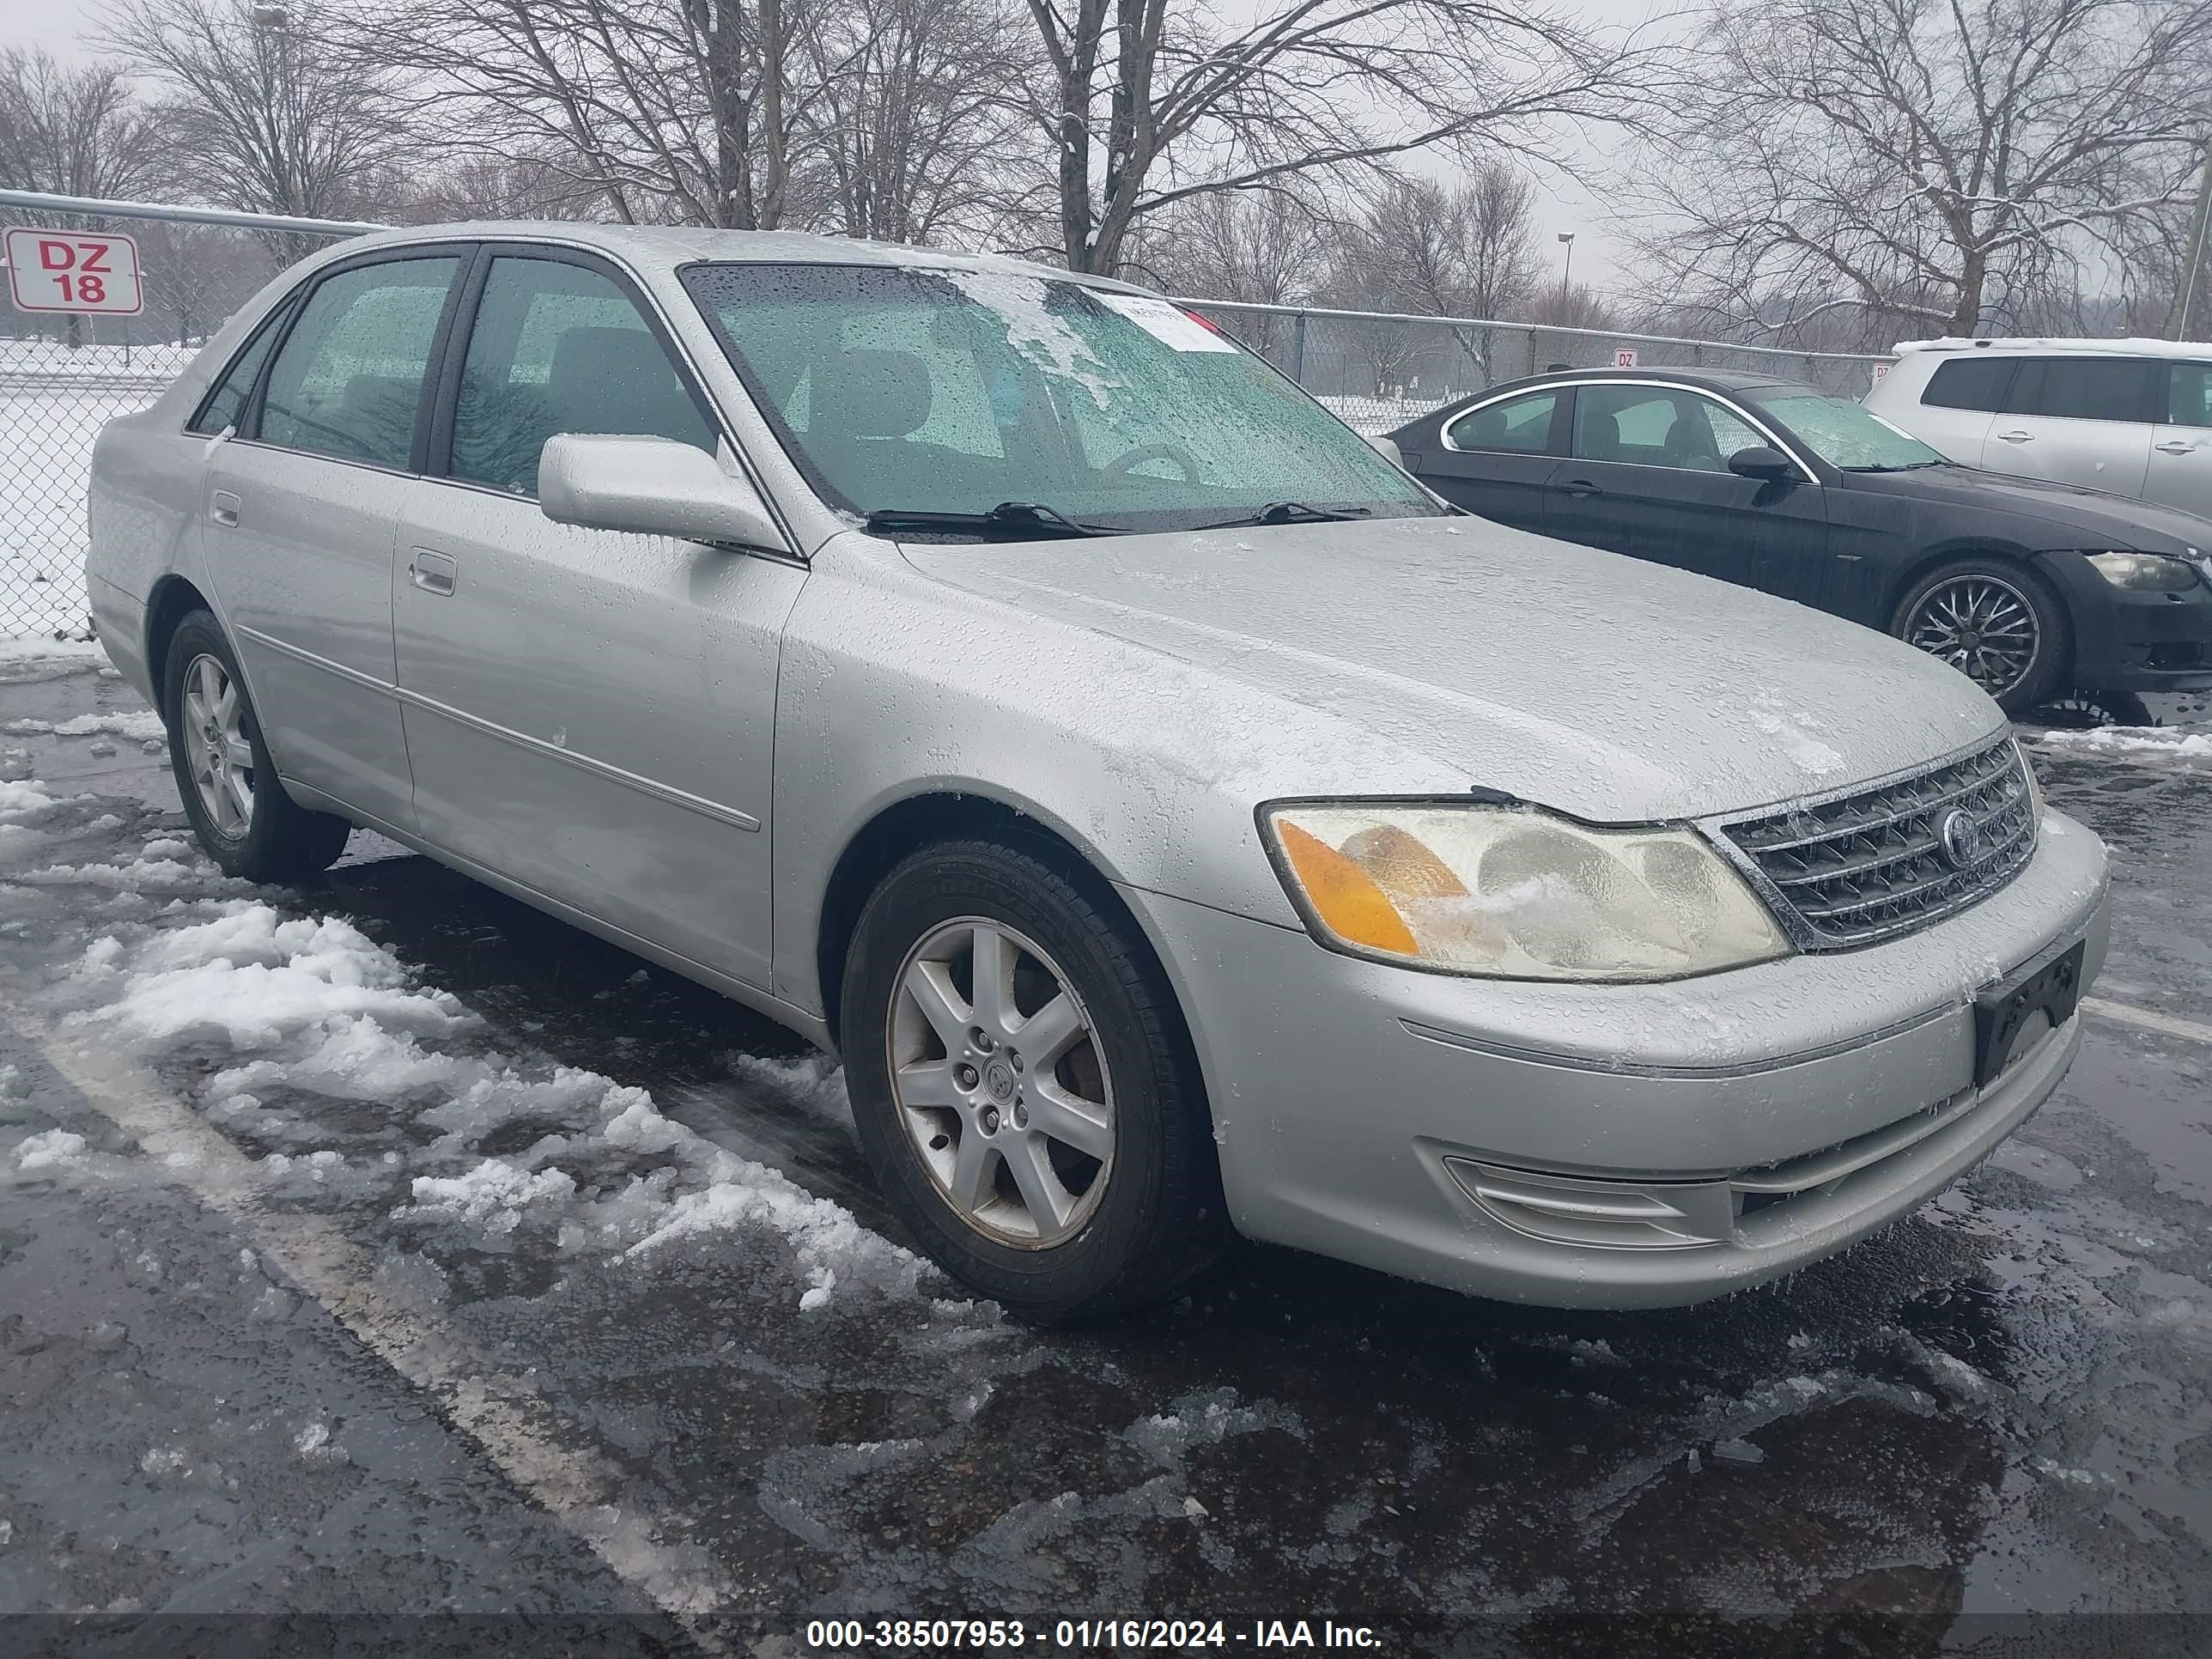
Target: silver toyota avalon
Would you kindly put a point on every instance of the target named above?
(1175, 818)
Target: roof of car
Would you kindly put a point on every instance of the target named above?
(1713, 380)
(2133, 346)
(687, 245)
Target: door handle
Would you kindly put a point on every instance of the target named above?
(2017, 437)
(222, 508)
(2173, 446)
(1580, 487)
(435, 573)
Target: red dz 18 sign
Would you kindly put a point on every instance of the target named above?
(79, 270)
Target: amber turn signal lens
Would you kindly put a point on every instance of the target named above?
(1345, 898)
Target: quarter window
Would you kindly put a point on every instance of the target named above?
(349, 381)
(1968, 383)
(2189, 395)
(558, 347)
(225, 402)
(1523, 425)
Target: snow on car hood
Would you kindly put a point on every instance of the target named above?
(1602, 686)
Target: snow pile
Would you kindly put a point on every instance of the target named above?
(140, 724)
(497, 1148)
(2163, 741)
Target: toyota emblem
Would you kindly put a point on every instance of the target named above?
(1960, 835)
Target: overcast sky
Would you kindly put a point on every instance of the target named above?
(59, 25)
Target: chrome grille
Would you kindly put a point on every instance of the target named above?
(1852, 869)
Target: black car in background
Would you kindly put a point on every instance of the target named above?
(2038, 591)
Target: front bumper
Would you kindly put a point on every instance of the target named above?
(1356, 1106)
(2134, 641)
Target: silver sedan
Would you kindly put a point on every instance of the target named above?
(1178, 819)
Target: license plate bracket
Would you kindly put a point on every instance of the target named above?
(2049, 982)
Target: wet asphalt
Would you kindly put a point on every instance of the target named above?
(2000, 1408)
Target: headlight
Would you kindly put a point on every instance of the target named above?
(1515, 893)
(2152, 573)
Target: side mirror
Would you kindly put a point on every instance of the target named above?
(1389, 450)
(1760, 462)
(650, 487)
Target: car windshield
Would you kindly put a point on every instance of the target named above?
(906, 392)
(1848, 436)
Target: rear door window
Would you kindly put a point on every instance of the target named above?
(2189, 395)
(2096, 389)
(349, 380)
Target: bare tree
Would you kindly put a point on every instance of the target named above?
(75, 131)
(1269, 248)
(1465, 249)
(908, 122)
(1147, 103)
(667, 111)
(259, 113)
(1922, 163)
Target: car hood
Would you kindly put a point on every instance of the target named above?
(1601, 686)
(2069, 516)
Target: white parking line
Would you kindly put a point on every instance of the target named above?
(495, 1408)
(2148, 1019)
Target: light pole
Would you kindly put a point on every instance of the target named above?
(1566, 270)
(2192, 276)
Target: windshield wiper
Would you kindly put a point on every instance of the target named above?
(1902, 467)
(1291, 512)
(1011, 519)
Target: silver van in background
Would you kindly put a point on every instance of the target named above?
(2131, 417)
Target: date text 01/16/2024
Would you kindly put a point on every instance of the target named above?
(1094, 1635)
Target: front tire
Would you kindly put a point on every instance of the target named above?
(238, 808)
(1023, 1086)
(1997, 623)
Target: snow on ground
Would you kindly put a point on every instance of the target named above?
(2190, 741)
(1376, 416)
(327, 1060)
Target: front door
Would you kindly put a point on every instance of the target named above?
(2180, 461)
(298, 517)
(1647, 477)
(587, 713)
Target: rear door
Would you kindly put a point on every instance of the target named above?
(298, 517)
(1648, 476)
(1496, 459)
(588, 713)
(2180, 466)
(2080, 419)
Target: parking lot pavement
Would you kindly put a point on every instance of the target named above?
(387, 1249)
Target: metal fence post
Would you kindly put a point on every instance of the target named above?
(1532, 351)
(1298, 347)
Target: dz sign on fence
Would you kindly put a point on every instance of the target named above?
(1625, 357)
(79, 271)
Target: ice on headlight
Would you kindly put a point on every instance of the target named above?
(1515, 893)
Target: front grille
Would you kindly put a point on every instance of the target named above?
(1856, 868)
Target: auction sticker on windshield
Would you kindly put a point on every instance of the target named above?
(74, 270)
(1165, 323)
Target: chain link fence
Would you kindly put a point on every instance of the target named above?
(62, 378)
(1379, 370)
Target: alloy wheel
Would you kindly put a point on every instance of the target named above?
(1981, 625)
(218, 755)
(999, 1082)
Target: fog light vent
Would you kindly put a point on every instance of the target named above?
(1608, 1215)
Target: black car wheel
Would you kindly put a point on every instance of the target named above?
(1023, 1086)
(1995, 623)
(238, 807)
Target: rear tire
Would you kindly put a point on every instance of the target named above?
(1050, 1144)
(237, 806)
(1996, 621)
